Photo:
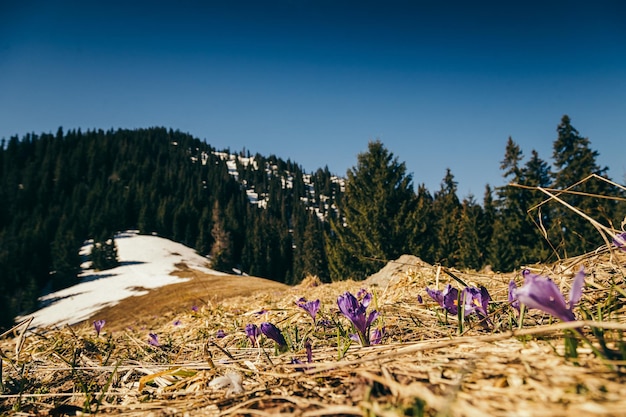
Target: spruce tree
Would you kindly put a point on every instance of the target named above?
(423, 240)
(447, 208)
(375, 215)
(221, 251)
(505, 249)
(470, 254)
(314, 255)
(104, 255)
(536, 173)
(574, 161)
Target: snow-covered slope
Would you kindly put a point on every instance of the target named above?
(146, 263)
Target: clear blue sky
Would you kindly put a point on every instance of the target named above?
(440, 83)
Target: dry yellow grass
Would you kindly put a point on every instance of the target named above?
(423, 367)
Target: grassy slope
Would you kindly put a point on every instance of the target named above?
(423, 367)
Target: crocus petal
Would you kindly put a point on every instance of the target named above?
(153, 339)
(577, 288)
(367, 299)
(252, 331)
(348, 304)
(377, 336)
(372, 316)
(542, 293)
(271, 331)
(435, 295)
(353, 310)
(484, 300)
(620, 241)
(311, 307)
(513, 301)
(470, 297)
(98, 325)
(451, 299)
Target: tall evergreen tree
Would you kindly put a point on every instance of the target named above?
(314, 256)
(423, 237)
(221, 251)
(470, 253)
(448, 211)
(372, 227)
(536, 173)
(485, 225)
(574, 161)
(505, 249)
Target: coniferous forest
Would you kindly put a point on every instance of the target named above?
(266, 217)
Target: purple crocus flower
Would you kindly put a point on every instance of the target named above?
(252, 330)
(194, 309)
(98, 325)
(311, 307)
(420, 299)
(475, 300)
(356, 312)
(363, 293)
(620, 241)
(514, 302)
(377, 336)
(542, 293)
(153, 339)
(271, 331)
(220, 334)
(447, 299)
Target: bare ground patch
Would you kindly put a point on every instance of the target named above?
(171, 300)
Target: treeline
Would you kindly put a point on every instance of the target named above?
(58, 190)
(382, 217)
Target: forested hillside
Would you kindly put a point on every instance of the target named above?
(268, 218)
(58, 190)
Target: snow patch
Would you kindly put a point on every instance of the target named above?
(146, 262)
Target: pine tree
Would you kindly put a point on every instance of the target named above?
(470, 254)
(104, 255)
(536, 173)
(505, 249)
(372, 226)
(574, 161)
(221, 251)
(314, 255)
(448, 211)
(423, 237)
(486, 224)
(65, 258)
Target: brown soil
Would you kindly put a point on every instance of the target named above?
(171, 300)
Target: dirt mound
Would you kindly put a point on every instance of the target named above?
(399, 268)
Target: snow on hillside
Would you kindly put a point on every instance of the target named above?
(146, 263)
(286, 181)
